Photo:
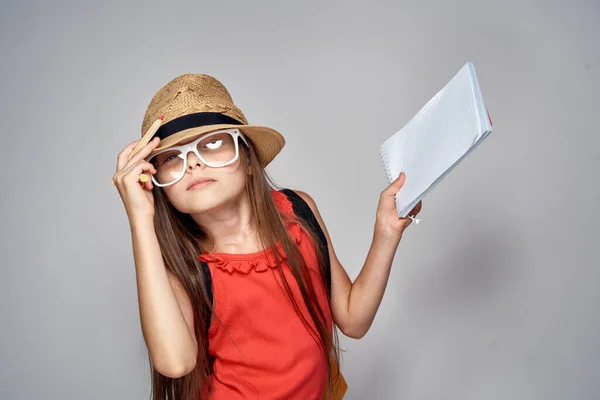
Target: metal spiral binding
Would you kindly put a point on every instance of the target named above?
(386, 165)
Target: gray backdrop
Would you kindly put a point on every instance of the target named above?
(491, 296)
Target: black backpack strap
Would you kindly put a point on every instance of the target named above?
(208, 285)
(303, 210)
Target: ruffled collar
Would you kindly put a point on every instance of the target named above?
(259, 261)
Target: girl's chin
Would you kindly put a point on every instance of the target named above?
(201, 203)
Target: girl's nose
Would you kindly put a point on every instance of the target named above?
(193, 160)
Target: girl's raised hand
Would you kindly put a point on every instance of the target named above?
(137, 196)
(387, 222)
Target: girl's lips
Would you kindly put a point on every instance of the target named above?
(201, 184)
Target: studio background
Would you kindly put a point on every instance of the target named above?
(492, 295)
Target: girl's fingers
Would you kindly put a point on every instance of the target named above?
(395, 186)
(122, 157)
(143, 152)
(387, 198)
(148, 183)
(131, 173)
(141, 167)
(417, 208)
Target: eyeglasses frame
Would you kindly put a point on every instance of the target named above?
(193, 147)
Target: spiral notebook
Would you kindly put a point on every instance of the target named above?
(449, 127)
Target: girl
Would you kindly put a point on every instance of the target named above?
(239, 286)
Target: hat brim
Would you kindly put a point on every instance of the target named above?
(267, 141)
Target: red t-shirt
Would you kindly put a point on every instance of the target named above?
(262, 349)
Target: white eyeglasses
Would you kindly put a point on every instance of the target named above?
(215, 149)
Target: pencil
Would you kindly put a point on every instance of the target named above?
(147, 136)
(145, 140)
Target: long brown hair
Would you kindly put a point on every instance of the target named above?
(181, 241)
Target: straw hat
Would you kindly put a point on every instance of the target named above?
(193, 104)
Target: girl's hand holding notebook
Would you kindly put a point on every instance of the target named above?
(387, 223)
